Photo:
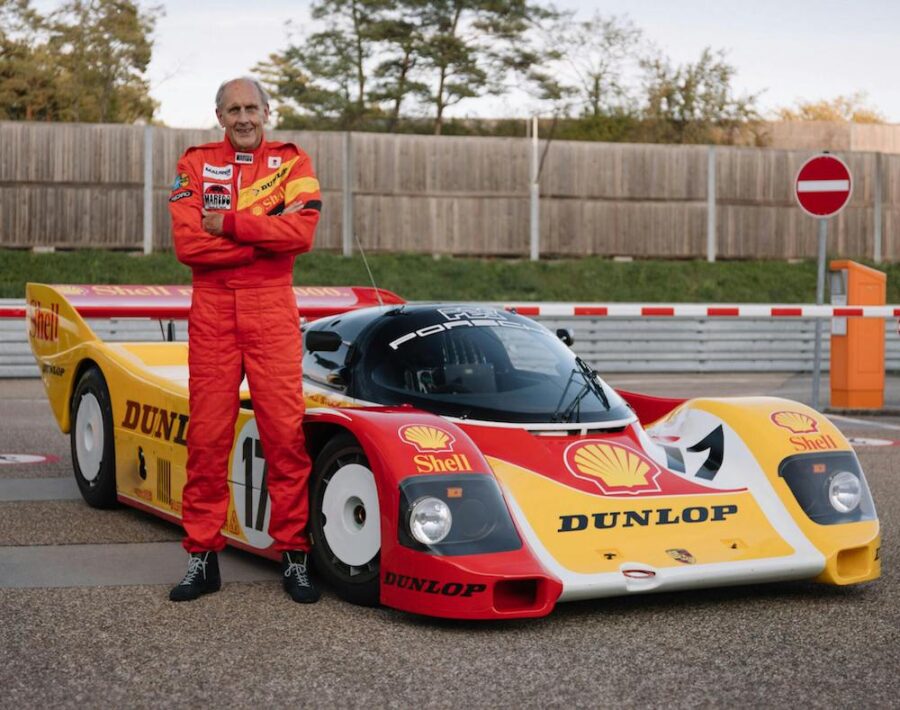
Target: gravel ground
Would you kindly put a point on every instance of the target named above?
(779, 645)
(72, 522)
(127, 646)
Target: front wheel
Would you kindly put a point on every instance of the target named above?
(345, 524)
(91, 436)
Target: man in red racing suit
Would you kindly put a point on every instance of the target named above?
(242, 209)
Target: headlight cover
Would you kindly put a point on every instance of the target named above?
(829, 486)
(430, 520)
(844, 492)
(477, 518)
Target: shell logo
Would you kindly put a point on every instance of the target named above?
(795, 422)
(71, 290)
(612, 467)
(426, 438)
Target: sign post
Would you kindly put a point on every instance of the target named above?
(822, 188)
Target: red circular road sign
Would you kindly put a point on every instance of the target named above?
(823, 186)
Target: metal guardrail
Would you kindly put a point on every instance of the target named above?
(609, 344)
(16, 359)
(703, 345)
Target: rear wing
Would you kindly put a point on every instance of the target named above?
(56, 326)
(174, 302)
(55, 315)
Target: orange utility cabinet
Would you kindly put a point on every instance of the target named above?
(857, 344)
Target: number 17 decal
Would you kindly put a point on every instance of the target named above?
(250, 487)
(253, 448)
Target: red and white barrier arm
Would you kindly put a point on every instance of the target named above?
(638, 310)
(698, 310)
(12, 311)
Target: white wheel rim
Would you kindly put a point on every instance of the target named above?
(89, 437)
(352, 521)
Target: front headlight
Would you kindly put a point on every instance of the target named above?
(844, 492)
(829, 486)
(455, 514)
(430, 520)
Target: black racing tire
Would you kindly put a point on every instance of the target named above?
(343, 486)
(91, 437)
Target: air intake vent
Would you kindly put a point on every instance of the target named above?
(164, 481)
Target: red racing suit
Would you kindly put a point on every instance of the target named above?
(243, 320)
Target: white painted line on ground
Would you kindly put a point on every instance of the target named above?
(863, 422)
(7, 459)
(865, 441)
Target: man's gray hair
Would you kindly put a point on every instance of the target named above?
(263, 95)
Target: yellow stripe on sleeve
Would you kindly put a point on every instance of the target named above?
(301, 186)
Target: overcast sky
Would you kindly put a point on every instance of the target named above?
(786, 49)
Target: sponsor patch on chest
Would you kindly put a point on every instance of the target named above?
(216, 196)
(246, 158)
(218, 172)
(274, 161)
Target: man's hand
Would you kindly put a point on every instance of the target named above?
(212, 221)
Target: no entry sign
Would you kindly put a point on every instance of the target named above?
(823, 186)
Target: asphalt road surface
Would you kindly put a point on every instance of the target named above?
(85, 619)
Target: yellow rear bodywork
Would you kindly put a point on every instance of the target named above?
(148, 388)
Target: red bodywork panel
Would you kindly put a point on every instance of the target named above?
(402, 442)
(551, 457)
(649, 408)
(482, 586)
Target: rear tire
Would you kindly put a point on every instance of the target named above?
(345, 521)
(91, 436)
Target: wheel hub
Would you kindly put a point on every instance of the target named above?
(89, 436)
(352, 521)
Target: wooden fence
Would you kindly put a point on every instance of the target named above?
(75, 185)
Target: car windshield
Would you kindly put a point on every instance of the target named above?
(480, 364)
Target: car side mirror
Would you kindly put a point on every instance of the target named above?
(322, 341)
(566, 335)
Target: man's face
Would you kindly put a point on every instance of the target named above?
(242, 115)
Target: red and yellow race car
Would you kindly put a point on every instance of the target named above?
(467, 463)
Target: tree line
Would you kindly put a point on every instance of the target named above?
(85, 61)
(398, 65)
(401, 66)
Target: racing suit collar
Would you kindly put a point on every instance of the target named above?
(232, 153)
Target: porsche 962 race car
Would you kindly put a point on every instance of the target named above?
(467, 463)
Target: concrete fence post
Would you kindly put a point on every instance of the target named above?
(148, 189)
(347, 197)
(535, 196)
(711, 204)
(878, 190)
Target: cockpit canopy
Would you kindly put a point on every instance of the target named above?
(461, 361)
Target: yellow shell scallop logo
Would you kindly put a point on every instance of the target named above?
(613, 467)
(427, 438)
(795, 422)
